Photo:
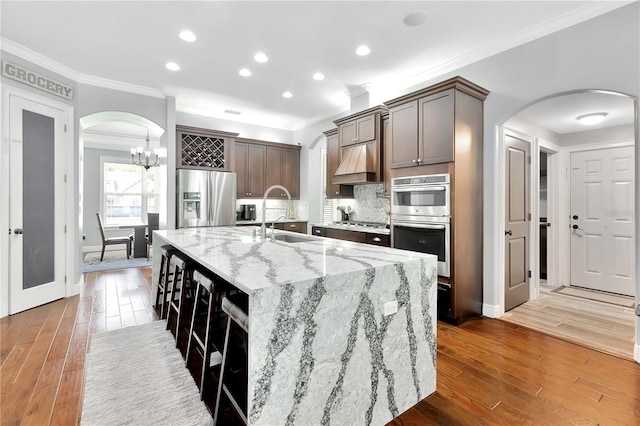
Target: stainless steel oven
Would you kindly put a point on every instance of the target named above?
(426, 195)
(420, 217)
(426, 235)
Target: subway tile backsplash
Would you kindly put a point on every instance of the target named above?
(366, 205)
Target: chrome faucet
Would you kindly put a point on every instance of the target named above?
(273, 226)
(263, 227)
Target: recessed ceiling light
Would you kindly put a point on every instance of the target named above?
(318, 76)
(244, 72)
(187, 35)
(415, 18)
(260, 57)
(287, 95)
(172, 66)
(593, 118)
(363, 50)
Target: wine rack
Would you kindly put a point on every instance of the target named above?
(203, 148)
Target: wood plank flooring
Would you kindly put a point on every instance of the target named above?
(602, 326)
(489, 371)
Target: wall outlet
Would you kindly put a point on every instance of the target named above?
(390, 308)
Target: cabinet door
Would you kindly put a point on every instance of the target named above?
(256, 170)
(348, 133)
(366, 129)
(339, 234)
(435, 144)
(333, 161)
(291, 171)
(318, 231)
(300, 227)
(240, 166)
(274, 170)
(403, 120)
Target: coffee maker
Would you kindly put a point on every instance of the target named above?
(247, 212)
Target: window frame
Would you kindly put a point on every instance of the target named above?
(144, 194)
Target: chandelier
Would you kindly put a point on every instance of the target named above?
(143, 157)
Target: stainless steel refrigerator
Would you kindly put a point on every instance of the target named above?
(205, 198)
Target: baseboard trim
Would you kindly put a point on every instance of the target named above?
(492, 311)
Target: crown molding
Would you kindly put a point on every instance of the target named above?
(38, 59)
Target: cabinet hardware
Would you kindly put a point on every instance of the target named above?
(376, 239)
(317, 231)
(419, 160)
(293, 226)
(414, 160)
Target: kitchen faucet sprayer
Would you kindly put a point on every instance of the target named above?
(263, 228)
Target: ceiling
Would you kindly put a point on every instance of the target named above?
(130, 42)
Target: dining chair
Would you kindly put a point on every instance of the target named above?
(112, 240)
(153, 224)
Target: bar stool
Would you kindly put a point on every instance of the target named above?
(163, 278)
(180, 299)
(204, 321)
(233, 372)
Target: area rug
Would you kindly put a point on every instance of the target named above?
(113, 259)
(600, 296)
(136, 376)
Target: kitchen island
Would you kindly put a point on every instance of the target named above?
(321, 350)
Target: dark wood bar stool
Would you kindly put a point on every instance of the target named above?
(163, 279)
(233, 380)
(203, 354)
(180, 298)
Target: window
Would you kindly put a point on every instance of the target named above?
(328, 204)
(130, 192)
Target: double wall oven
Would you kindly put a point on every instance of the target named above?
(421, 217)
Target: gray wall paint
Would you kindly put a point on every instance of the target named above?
(609, 135)
(92, 202)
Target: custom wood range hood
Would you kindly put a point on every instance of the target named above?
(357, 165)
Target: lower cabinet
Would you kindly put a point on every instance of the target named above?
(355, 236)
(300, 227)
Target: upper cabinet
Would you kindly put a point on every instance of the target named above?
(333, 160)
(260, 164)
(361, 127)
(203, 149)
(426, 125)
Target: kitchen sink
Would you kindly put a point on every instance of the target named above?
(286, 238)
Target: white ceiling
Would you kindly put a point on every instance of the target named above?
(130, 42)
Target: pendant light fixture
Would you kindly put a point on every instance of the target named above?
(143, 157)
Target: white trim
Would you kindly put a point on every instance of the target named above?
(553, 194)
(492, 311)
(56, 67)
(636, 351)
(70, 260)
(597, 146)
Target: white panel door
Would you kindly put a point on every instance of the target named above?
(602, 220)
(36, 204)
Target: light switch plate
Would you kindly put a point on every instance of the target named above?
(390, 308)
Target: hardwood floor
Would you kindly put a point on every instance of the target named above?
(603, 326)
(489, 371)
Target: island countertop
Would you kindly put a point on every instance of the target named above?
(339, 332)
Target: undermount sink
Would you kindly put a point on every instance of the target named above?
(286, 238)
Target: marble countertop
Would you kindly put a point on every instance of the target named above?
(258, 223)
(250, 264)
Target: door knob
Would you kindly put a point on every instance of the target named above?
(17, 231)
(576, 227)
(574, 217)
(509, 233)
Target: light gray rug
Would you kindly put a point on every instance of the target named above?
(136, 376)
(116, 259)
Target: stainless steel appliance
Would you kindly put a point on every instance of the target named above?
(205, 198)
(420, 217)
(426, 195)
(248, 211)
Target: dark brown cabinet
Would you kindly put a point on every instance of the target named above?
(250, 168)
(300, 227)
(354, 236)
(439, 129)
(422, 131)
(333, 160)
(359, 130)
(260, 164)
(203, 149)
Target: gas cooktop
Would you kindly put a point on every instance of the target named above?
(354, 224)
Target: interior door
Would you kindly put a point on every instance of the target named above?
(516, 232)
(602, 220)
(36, 204)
